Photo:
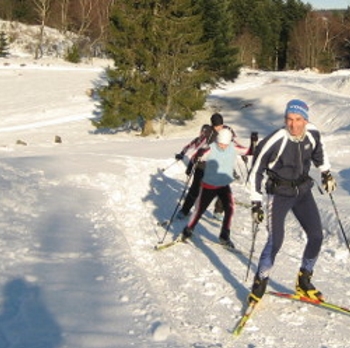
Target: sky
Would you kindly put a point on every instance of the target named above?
(328, 4)
(79, 220)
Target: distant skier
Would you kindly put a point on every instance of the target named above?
(207, 136)
(285, 157)
(220, 160)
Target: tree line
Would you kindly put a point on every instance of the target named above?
(268, 34)
(89, 19)
(168, 54)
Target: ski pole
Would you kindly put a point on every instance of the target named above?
(254, 137)
(337, 215)
(255, 229)
(339, 222)
(170, 165)
(178, 203)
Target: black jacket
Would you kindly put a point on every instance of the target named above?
(287, 160)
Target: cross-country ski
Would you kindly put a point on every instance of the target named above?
(321, 304)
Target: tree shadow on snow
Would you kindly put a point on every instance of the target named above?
(25, 322)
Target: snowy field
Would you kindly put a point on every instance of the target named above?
(78, 221)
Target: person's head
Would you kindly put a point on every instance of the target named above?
(296, 117)
(217, 121)
(205, 130)
(224, 138)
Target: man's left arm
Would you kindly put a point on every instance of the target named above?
(321, 161)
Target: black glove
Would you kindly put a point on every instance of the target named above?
(253, 142)
(179, 156)
(328, 182)
(254, 137)
(257, 212)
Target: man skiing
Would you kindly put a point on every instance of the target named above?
(285, 158)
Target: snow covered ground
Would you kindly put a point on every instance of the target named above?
(78, 221)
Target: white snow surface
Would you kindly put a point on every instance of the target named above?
(78, 220)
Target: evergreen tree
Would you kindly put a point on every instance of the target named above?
(241, 13)
(249, 43)
(159, 63)
(293, 11)
(265, 22)
(3, 45)
(23, 11)
(269, 23)
(218, 28)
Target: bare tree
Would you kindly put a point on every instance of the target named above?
(85, 14)
(64, 15)
(316, 41)
(249, 48)
(100, 24)
(6, 9)
(42, 8)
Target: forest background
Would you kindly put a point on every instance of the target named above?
(271, 34)
(168, 55)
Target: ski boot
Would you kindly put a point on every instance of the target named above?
(305, 288)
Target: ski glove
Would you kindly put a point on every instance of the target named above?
(179, 156)
(328, 182)
(254, 137)
(253, 141)
(257, 212)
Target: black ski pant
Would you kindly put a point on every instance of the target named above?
(204, 199)
(193, 193)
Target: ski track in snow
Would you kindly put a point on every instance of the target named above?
(204, 299)
(81, 237)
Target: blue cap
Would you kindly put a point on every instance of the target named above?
(296, 106)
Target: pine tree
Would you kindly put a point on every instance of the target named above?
(159, 62)
(23, 11)
(269, 24)
(218, 27)
(3, 45)
(266, 24)
(293, 11)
